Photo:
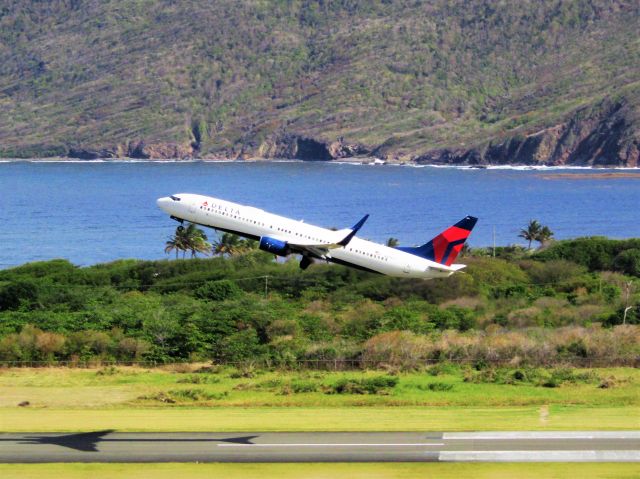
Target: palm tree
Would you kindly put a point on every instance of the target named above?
(196, 240)
(186, 239)
(392, 242)
(227, 244)
(248, 245)
(176, 242)
(531, 232)
(544, 236)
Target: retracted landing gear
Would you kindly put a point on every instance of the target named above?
(305, 262)
(180, 228)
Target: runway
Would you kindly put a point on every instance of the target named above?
(109, 446)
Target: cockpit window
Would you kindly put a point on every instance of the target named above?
(174, 198)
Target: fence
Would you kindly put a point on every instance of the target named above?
(337, 364)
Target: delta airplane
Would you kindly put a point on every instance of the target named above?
(284, 236)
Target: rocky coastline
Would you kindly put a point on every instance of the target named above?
(600, 135)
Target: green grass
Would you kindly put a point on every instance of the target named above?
(131, 399)
(133, 388)
(318, 471)
(233, 419)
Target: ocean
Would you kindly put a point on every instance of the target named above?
(98, 211)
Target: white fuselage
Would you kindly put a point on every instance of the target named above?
(256, 223)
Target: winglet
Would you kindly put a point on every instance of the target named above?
(354, 230)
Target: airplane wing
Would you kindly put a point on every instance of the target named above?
(340, 240)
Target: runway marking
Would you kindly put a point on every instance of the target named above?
(539, 456)
(543, 435)
(350, 444)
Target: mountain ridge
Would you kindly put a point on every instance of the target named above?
(463, 82)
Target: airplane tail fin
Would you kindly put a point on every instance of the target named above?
(445, 247)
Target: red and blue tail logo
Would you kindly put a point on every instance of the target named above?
(445, 247)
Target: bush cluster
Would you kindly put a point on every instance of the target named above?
(548, 308)
(372, 385)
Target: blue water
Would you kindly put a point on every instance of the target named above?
(95, 212)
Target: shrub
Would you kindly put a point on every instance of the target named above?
(303, 387)
(551, 272)
(269, 384)
(108, 371)
(454, 317)
(436, 387)
(132, 348)
(596, 253)
(569, 375)
(244, 371)
(283, 327)
(404, 319)
(241, 346)
(19, 294)
(199, 379)
(506, 376)
(362, 321)
(444, 368)
(218, 290)
(373, 385)
(628, 262)
(397, 348)
(184, 395)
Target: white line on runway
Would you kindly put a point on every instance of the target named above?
(336, 445)
(543, 435)
(539, 456)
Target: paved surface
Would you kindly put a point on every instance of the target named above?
(109, 446)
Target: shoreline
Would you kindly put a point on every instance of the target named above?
(356, 162)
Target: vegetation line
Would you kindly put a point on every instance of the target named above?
(573, 302)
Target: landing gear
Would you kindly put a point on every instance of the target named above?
(180, 229)
(305, 262)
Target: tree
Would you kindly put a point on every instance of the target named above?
(176, 242)
(227, 244)
(392, 242)
(628, 261)
(531, 232)
(196, 240)
(186, 239)
(544, 236)
(230, 244)
(19, 294)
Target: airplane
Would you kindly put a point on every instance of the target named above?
(283, 236)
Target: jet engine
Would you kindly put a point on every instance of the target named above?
(274, 246)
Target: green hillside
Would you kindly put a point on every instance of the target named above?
(437, 81)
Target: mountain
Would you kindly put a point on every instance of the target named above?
(441, 81)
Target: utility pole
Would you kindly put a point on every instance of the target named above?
(494, 241)
(627, 293)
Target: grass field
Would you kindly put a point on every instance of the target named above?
(134, 388)
(265, 419)
(133, 399)
(318, 471)
(85, 400)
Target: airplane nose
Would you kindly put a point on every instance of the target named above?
(163, 202)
